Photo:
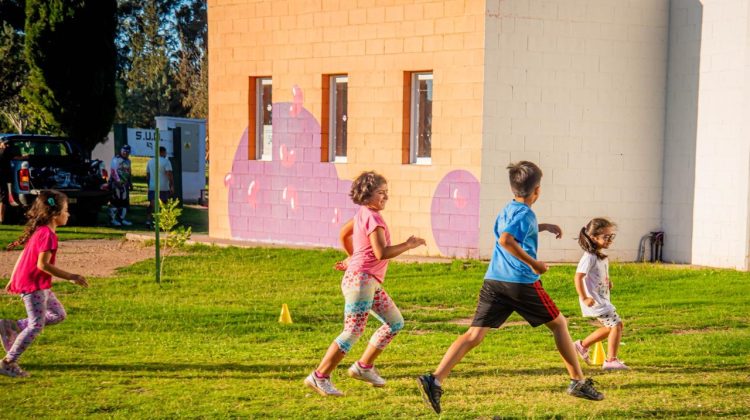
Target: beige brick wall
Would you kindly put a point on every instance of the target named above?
(577, 86)
(374, 42)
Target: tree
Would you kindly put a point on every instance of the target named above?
(71, 55)
(13, 63)
(162, 67)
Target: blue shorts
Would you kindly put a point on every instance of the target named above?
(163, 195)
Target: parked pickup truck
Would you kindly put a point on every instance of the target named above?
(45, 162)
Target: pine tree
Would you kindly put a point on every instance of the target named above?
(71, 55)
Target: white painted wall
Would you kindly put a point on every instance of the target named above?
(579, 87)
(685, 24)
(720, 216)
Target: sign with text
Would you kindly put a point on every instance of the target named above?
(143, 140)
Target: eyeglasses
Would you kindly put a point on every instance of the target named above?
(609, 238)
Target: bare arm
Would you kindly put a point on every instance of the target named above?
(553, 229)
(384, 252)
(43, 264)
(509, 243)
(581, 290)
(345, 237)
(13, 273)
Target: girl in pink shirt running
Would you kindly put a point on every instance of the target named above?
(367, 241)
(32, 279)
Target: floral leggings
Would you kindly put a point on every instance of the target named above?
(363, 295)
(42, 308)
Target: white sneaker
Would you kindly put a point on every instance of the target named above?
(115, 223)
(370, 376)
(126, 222)
(12, 370)
(322, 386)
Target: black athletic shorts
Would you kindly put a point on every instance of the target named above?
(498, 299)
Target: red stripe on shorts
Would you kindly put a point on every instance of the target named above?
(548, 303)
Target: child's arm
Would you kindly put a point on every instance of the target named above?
(13, 273)
(581, 290)
(383, 252)
(509, 243)
(345, 237)
(553, 229)
(44, 265)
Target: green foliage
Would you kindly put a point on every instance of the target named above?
(169, 215)
(207, 344)
(162, 60)
(71, 56)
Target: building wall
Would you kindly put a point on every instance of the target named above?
(296, 198)
(577, 86)
(685, 25)
(720, 216)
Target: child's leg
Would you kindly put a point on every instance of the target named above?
(387, 312)
(458, 350)
(559, 328)
(359, 291)
(36, 308)
(600, 334)
(613, 341)
(55, 313)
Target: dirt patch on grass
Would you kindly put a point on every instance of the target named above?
(90, 257)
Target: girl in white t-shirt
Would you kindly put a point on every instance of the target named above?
(593, 286)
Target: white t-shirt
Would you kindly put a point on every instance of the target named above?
(164, 167)
(596, 284)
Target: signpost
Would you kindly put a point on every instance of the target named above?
(155, 175)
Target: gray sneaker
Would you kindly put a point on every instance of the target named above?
(12, 369)
(584, 389)
(322, 386)
(371, 376)
(431, 392)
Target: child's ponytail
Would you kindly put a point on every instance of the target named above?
(48, 204)
(593, 228)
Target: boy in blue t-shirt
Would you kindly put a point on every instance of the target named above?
(512, 284)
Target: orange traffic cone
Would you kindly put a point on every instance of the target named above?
(285, 317)
(598, 356)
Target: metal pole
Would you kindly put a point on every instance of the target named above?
(155, 175)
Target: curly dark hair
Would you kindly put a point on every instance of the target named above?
(48, 205)
(365, 185)
(524, 177)
(593, 228)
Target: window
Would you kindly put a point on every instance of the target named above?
(260, 128)
(420, 121)
(338, 117)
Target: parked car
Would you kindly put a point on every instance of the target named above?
(45, 162)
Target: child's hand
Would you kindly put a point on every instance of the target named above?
(539, 267)
(79, 280)
(7, 287)
(589, 302)
(414, 242)
(341, 265)
(553, 229)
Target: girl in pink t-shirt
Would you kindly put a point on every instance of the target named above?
(367, 241)
(32, 279)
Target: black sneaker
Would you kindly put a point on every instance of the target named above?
(584, 389)
(431, 392)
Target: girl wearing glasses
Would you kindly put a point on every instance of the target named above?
(593, 286)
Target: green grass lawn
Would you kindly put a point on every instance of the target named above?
(207, 344)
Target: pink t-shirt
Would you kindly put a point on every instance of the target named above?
(28, 278)
(363, 260)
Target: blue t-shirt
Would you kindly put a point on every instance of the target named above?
(520, 221)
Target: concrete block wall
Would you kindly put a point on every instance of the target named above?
(722, 173)
(685, 26)
(374, 42)
(577, 86)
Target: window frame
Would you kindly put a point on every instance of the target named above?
(333, 81)
(260, 83)
(415, 78)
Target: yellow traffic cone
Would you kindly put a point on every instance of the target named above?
(285, 317)
(598, 356)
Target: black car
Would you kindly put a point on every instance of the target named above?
(37, 163)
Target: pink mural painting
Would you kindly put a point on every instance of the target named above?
(295, 198)
(455, 215)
